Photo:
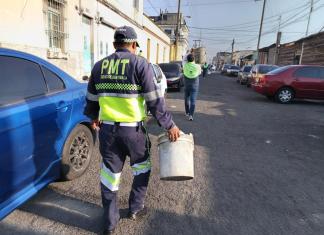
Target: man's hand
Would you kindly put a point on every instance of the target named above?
(95, 124)
(174, 134)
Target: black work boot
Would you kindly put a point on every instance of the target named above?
(109, 232)
(137, 215)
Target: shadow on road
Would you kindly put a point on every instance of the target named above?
(7, 229)
(66, 210)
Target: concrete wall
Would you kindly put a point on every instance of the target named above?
(23, 27)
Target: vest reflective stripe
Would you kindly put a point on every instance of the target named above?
(153, 95)
(191, 70)
(118, 86)
(109, 179)
(119, 95)
(92, 97)
(143, 167)
(118, 109)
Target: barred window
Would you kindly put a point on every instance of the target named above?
(136, 4)
(55, 23)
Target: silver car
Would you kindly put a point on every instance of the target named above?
(244, 74)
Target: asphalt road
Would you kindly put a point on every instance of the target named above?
(258, 170)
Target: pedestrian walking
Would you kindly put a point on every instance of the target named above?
(191, 74)
(120, 86)
(140, 53)
(205, 69)
(185, 60)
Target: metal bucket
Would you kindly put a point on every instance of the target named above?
(176, 158)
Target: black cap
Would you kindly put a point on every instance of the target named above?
(190, 58)
(125, 34)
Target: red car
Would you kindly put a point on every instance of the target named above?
(293, 81)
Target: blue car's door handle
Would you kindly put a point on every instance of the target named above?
(62, 106)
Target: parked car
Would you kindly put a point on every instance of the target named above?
(258, 71)
(179, 62)
(160, 79)
(224, 68)
(294, 81)
(173, 75)
(244, 74)
(233, 70)
(44, 135)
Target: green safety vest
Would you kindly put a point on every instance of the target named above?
(120, 98)
(119, 109)
(205, 66)
(191, 70)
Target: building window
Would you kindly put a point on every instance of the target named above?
(164, 54)
(136, 4)
(157, 52)
(101, 48)
(55, 23)
(168, 31)
(148, 46)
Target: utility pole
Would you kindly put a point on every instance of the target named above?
(307, 29)
(260, 30)
(197, 44)
(232, 50)
(278, 42)
(177, 31)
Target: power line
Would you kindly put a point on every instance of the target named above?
(214, 3)
(321, 29)
(149, 1)
(222, 29)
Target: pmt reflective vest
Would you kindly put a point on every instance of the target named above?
(120, 86)
(191, 70)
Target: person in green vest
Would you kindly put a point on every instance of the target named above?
(191, 72)
(140, 53)
(205, 68)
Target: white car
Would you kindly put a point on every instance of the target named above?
(233, 70)
(160, 79)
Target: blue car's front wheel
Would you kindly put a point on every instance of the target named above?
(77, 152)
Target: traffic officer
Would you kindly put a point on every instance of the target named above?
(205, 68)
(120, 86)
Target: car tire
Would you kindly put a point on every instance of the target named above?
(77, 152)
(284, 95)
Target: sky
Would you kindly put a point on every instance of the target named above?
(218, 22)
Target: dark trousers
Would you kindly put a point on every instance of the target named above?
(204, 72)
(117, 142)
(191, 92)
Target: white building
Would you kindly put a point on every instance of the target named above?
(74, 34)
(168, 22)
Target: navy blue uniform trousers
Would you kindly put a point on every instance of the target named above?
(117, 142)
(191, 93)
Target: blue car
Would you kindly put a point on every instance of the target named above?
(44, 135)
